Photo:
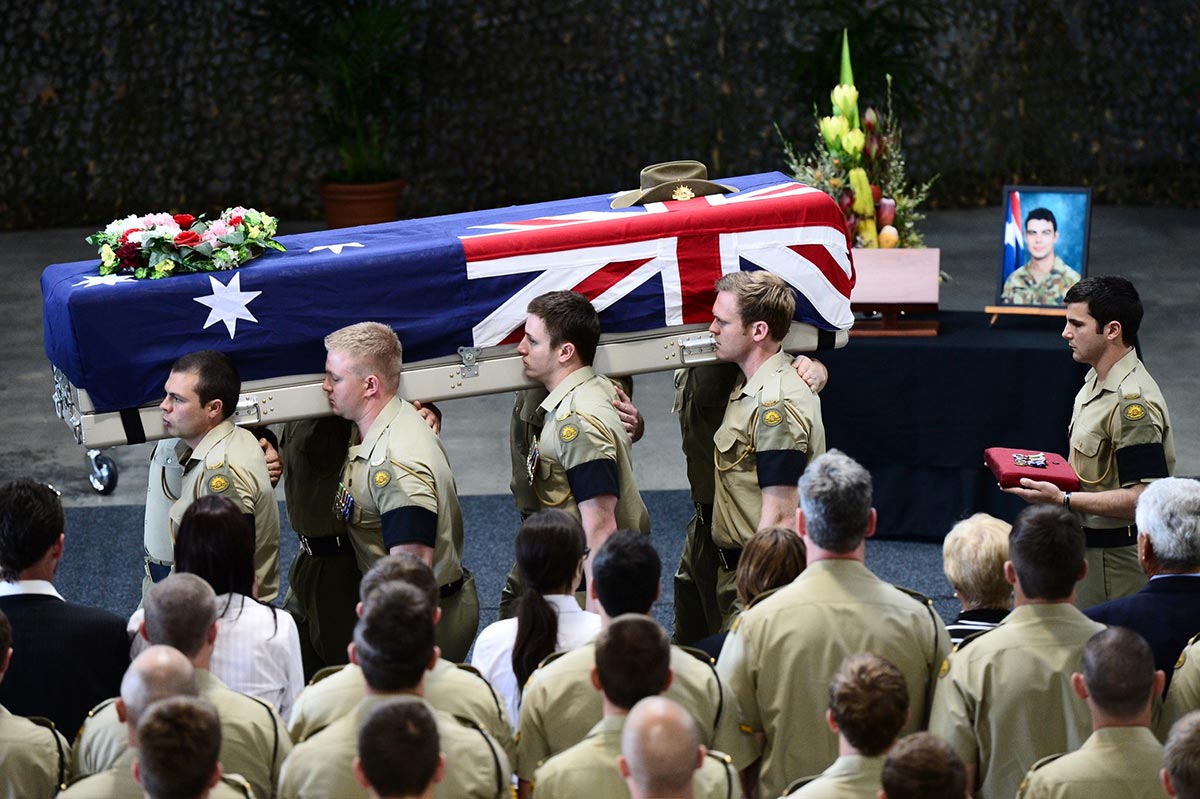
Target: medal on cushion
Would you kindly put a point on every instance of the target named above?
(531, 460)
(343, 503)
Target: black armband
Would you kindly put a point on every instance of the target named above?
(781, 467)
(594, 479)
(409, 525)
(249, 517)
(1141, 461)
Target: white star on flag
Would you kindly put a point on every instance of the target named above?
(228, 303)
(336, 249)
(106, 280)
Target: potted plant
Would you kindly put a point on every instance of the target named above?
(355, 56)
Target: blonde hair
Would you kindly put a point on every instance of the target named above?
(973, 556)
(373, 347)
(762, 297)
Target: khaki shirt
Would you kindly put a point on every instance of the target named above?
(1022, 288)
(582, 426)
(322, 766)
(560, 705)
(1184, 694)
(1004, 698)
(118, 783)
(1124, 410)
(33, 758)
(782, 652)
(458, 690)
(589, 768)
(401, 463)
(1114, 763)
(254, 741)
(228, 462)
(774, 410)
(850, 777)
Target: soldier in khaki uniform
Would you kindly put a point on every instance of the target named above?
(1121, 757)
(181, 612)
(397, 492)
(208, 455)
(179, 740)
(772, 425)
(452, 688)
(661, 750)
(1184, 695)
(632, 662)
(393, 643)
(1121, 436)
(560, 705)
(781, 653)
(1001, 725)
(33, 755)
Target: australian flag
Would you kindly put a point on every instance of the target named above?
(446, 282)
(1014, 236)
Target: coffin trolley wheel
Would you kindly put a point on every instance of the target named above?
(102, 472)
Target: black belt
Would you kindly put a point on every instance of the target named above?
(323, 546)
(450, 589)
(1110, 537)
(729, 558)
(704, 512)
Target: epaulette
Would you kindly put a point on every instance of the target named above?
(503, 780)
(698, 654)
(732, 784)
(469, 669)
(321, 674)
(239, 784)
(968, 639)
(91, 714)
(706, 659)
(58, 743)
(917, 595)
(1044, 761)
(553, 656)
(769, 592)
(796, 785)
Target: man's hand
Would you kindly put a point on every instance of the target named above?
(811, 371)
(1037, 492)
(274, 462)
(631, 419)
(431, 414)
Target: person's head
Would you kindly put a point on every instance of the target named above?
(1041, 233)
(158, 673)
(633, 660)
(660, 749)
(626, 573)
(201, 392)
(973, 555)
(1101, 308)
(1168, 516)
(399, 751)
(1118, 674)
(5, 644)
(393, 641)
(561, 328)
(868, 703)
(923, 766)
(179, 741)
(1045, 550)
(400, 568)
(181, 611)
(31, 524)
(362, 367)
(773, 557)
(1181, 761)
(835, 502)
(215, 542)
(752, 309)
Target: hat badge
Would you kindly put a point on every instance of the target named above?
(682, 192)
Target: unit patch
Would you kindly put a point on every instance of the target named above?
(1135, 412)
(382, 478)
(772, 417)
(569, 432)
(218, 483)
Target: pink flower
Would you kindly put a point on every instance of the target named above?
(218, 228)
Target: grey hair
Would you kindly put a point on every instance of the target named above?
(835, 495)
(1168, 511)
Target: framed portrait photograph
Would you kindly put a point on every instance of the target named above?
(1046, 231)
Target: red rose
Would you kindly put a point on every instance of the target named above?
(187, 238)
(234, 221)
(130, 256)
(125, 235)
(184, 220)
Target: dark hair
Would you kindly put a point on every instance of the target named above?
(626, 572)
(1118, 669)
(31, 520)
(633, 659)
(216, 378)
(549, 548)
(1110, 298)
(1046, 549)
(1044, 214)
(923, 766)
(401, 567)
(180, 611)
(569, 316)
(5, 635)
(393, 640)
(179, 741)
(773, 557)
(398, 746)
(869, 700)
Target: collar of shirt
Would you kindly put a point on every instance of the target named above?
(1185, 574)
(29, 588)
(563, 603)
(768, 368)
(385, 418)
(571, 381)
(609, 725)
(1119, 371)
(208, 442)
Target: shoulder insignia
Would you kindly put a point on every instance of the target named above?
(698, 654)
(737, 622)
(796, 785)
(945, 669)
(382, 478)
(218, 465)
(380, 460)
(1135, 411)
(961, 645)
(1182, 659)
(568, 432)
(763, 596)
(218, 483)
(1045, 761)
(917, 595)
(328, 671)
(770, 402)
(772, 417)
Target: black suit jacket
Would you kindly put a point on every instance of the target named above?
(1166, 612)
(66, 659)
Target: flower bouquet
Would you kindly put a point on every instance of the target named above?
(159, 245)
(858, 162)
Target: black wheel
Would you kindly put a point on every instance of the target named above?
(103, 474)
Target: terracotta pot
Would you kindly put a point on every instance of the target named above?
(353, 204)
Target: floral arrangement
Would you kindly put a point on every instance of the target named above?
(858, 162)
(160, 245)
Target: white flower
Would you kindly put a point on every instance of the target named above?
(119, 226)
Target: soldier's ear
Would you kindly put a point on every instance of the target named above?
(566, 351)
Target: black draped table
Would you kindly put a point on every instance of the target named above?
(919, 412)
